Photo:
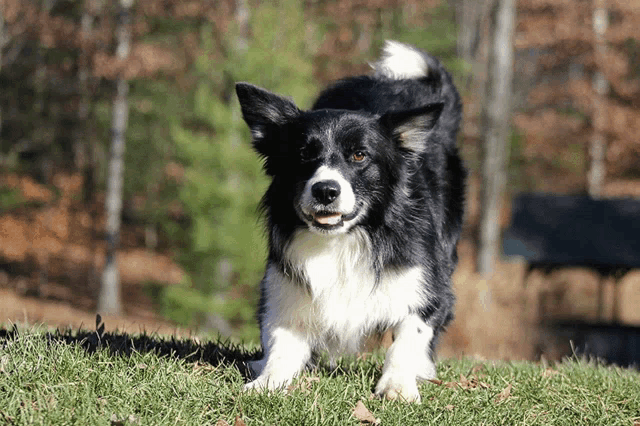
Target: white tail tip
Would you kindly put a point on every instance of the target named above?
(400, 61)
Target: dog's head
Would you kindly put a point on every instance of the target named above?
(332, 166)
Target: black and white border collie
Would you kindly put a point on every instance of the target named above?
(363, 212)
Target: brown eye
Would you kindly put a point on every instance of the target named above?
(358, 156)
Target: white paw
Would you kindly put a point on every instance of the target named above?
(268, 383)
(398, 386)
(258, 385)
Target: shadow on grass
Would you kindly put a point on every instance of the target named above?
(124, 344)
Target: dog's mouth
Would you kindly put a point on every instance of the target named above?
(328, 220)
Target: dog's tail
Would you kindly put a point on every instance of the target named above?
(401, 61)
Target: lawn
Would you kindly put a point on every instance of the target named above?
(82, 377)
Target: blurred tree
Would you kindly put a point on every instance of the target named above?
(2, 44)
(85, 143)
(597, 150)
(496, 127)
(223, 177)
(82, 141)
(109, 298)
(471, 19)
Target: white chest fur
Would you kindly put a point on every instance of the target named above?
(341, 303)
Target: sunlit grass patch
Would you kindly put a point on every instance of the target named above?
(63, 378)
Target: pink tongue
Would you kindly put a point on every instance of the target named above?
(328, 219)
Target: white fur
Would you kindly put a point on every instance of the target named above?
(407, 361)
(256, 134)
(400, 61)
(336, 306)
(344, 204)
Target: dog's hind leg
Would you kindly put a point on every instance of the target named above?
(408, 360)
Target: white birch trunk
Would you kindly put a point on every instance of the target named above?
(496, 129)
(598, 147)
(109, 298)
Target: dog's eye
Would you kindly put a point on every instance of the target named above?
(358, 156)
(309, 152)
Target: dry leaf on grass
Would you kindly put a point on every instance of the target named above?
(4, 360)
(303, 384)
(463, 383)
(202, 367)
(472, 383)
(238, 422)
(363, 414)
(478, 368)
(132, 420)
(505, 394)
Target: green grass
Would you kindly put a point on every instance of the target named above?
(114, 379)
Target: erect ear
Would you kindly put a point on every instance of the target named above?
(262, 109)
(411, 127)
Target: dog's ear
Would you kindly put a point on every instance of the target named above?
(262, 109)
(411, 127)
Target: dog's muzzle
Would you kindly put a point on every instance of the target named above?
(327, 201)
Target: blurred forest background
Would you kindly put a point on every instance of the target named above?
(77, 76)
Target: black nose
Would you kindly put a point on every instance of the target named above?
(326, 191)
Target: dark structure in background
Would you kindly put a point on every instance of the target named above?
(614, 343)
(555, 231)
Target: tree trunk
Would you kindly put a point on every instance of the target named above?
(224, 269)
(81, 143)
(598, 148)
(109, 298)
(2, 43)
(92, 9)
(470, 16)
(496, 129)
(242, 20)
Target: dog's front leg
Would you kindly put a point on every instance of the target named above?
(408, 360)
(286, 352)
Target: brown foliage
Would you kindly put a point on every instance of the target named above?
(562, 34)
(144, 60)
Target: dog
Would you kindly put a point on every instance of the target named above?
(363, 215)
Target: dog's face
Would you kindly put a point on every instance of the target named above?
(339, 166)
(333, 167)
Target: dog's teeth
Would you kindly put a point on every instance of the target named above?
(332, 219)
